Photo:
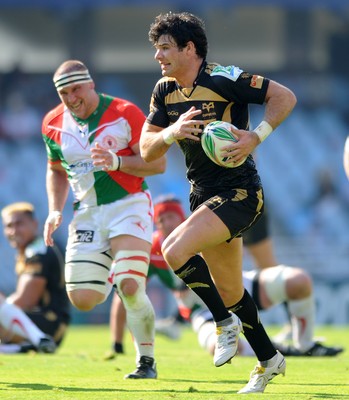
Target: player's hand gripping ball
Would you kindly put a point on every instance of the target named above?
(216, 135)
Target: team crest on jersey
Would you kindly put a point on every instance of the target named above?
(208, 110)
(83, 236)
(109, 143)
(208, 106)
(245, 75)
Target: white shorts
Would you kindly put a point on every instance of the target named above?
(92, 228)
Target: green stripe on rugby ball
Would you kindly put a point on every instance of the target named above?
(213, 132)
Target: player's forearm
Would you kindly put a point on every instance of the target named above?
(152, 144)
(57, 187)
(135, 165)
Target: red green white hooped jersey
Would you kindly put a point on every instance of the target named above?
(116, 125)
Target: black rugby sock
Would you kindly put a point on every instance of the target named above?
(118, 348)
(254, 331)
(196, 276)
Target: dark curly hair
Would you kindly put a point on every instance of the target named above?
(183, 28)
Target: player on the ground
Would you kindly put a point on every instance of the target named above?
(36, 315)
(269, 287)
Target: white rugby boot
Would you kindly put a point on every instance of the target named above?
(260, 376)
(227, 341)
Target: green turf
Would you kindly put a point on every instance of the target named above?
(79, 371)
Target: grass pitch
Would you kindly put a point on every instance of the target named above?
(79, 370)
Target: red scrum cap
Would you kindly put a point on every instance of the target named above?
(168, 204)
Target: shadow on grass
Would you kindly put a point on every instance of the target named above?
(190, 389)
(44, 388)
(215, 381)
(328, 396)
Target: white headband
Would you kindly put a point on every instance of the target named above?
(70, 78)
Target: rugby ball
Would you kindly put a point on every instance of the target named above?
(216, 135)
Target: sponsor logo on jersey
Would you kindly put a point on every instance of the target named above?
(256, 81)
(230, 72)
(81, 167)
(173, 113)
(83, 236)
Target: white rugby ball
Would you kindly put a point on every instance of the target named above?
(216, 135)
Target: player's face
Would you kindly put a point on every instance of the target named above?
(20, 229)
(81, 99)
(167, 222)
(172, 60)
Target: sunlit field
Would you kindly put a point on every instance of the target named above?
(79, 370)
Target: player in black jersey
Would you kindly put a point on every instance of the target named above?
(225, 201)
(36, 315)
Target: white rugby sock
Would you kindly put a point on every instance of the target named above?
(141, 323)
(140, 315)
(16, 321)
(10, 348)
(302, 320)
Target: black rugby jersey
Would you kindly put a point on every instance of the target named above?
(222, 93)
(48, 263)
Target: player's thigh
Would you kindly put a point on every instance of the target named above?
(201, 230)
(86, 279)
(87, 272)
(129, 242)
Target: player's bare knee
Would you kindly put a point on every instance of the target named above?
(168, 256)
(85, 300)
(299, 284)
(173, 254)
